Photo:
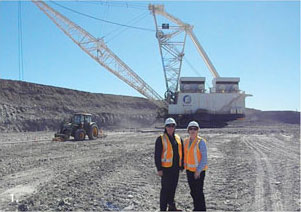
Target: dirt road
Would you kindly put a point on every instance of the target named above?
(255, 168)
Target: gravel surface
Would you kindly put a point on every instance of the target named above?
(250, 168)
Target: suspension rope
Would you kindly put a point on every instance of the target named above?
(20, 42)
(99, 19)
(116, 33)
(115, 4)
(195, 70)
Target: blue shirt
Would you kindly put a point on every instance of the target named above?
(203, 150)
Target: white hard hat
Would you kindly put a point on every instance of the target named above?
(193, 124)
(170, 121)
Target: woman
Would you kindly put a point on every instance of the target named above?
(169, 160)
(195, 163)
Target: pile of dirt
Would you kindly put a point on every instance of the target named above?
(265, 117)
(33, 107)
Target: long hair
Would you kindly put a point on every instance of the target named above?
(165, 132)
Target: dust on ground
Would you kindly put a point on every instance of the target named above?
(250, 168)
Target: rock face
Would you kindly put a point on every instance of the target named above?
(32, 107)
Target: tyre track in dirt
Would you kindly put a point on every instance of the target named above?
(228, 181)
(285, 158)
(282, 146)
(259, 171)
(267, 194)
(91, 164)
(118, 172)
(278, 171)
(135, 186)
(44, 160)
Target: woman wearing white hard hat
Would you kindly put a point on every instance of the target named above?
(195, 163)
(169, 161)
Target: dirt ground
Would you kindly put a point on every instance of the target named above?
(250, 168)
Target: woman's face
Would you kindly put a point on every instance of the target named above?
(170, 129)
(193, 131)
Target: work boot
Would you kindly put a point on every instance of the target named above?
(173, 207)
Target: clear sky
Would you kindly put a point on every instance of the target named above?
(258, 41)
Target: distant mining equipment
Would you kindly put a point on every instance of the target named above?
(187, 96)
(223, 102)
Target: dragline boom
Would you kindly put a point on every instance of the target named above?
(98, 50)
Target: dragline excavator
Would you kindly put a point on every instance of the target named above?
(189, 102)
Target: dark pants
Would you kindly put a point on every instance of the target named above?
(169, 182)
(196, 190)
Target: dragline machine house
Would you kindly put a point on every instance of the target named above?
(187, 97)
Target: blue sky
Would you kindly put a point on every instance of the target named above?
(258, 41)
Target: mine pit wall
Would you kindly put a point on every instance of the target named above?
(14, 120)
(32, 107)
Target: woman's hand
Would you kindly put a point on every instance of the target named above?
(160, 173)
(197, 175)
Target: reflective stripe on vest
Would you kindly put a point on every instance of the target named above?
(167, 153)
(193, 156)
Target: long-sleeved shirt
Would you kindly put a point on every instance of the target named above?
(203, 150)
(176, 157)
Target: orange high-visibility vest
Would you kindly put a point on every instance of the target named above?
(193, 156)
(167, 153)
